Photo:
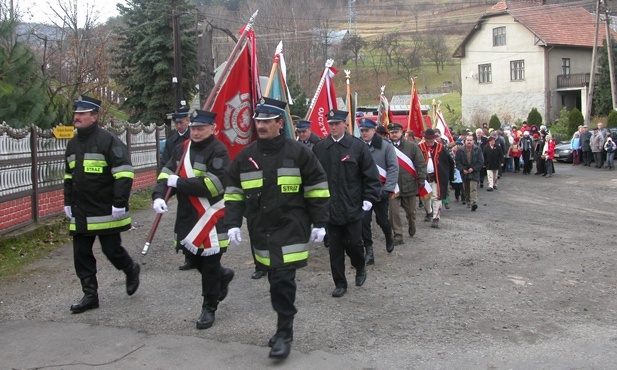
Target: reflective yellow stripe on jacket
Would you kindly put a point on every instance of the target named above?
(291, 253)
(102, 223)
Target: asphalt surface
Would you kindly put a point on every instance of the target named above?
(526, 282)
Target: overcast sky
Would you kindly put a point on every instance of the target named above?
(38, 10)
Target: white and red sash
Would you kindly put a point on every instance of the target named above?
(382, 177)
(202, 240)
(406, 163)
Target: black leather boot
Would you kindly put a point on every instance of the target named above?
(90, 299)
(132, 278)
(369, 256)
(281, 341)
(389, 240)
(227, 276)
(187, 265)
(206, 319)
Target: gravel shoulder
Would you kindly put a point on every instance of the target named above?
(527, 281)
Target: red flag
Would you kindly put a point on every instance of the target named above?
(323, 102)
(415, 121)
(236, 98)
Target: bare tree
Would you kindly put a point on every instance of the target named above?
(352, 45)
(437, 50)
(388, 44)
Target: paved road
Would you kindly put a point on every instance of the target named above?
(520, 284)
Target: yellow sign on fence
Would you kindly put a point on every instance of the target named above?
(64, 132)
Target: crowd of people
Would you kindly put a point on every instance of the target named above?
(290, 192)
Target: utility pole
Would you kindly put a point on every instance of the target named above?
(176, 80)
(594, 56)
(609, 49)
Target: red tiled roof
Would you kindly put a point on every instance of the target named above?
(556, 24)
(551, 24)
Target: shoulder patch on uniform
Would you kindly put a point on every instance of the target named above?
(118, 152)
(217, 163)
(288, 162)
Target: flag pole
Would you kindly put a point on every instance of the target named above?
(233, 56)
(380, 106)
(413, 88)
(434, 124)
(207, 106)
(350, 113)
(279, 49)
(329, 64)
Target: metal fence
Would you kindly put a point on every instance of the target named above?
(32, 160)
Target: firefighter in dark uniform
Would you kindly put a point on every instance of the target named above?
(182, 133)
(97, 185)
(281, 189)
(200, 227)
(354, 185)
(181, 120)
(304, 134)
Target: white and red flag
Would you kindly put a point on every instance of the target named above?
(442, 126)
(323, 101)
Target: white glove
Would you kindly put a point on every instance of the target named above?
(234, 235)
(68, 212)
(317, 234)
(366, 205)
(173, 180)
(159, 206)
(118, 212)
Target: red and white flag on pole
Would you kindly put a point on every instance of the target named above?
(424, 190)
(236, 99)
(442, 126)
(323, 101)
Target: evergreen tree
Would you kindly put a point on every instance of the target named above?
(575, 119)
(23, 98)
(534, 117)
(300, 105)
(494, 122)
(602, 97)
(145, 56)
(611, 120)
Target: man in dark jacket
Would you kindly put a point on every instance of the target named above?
(439, 172)
(586, 146)
(354, 185)
(200, 228)
(181, 120)
(97, 185)
(411, 175)
(304, 134)
(281, 189)
(469, 161)
(384, 156)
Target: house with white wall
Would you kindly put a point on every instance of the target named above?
(525, 54)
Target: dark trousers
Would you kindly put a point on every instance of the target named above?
(458, 190)
(283, 290)
(381, 216)
(83, 257)
(527, 163)
(345, 239)
(599, 159)
(210, 269)
(482, 175)
(586, 157)
(517, 164)
(540, 164)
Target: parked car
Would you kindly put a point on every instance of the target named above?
(563, 153)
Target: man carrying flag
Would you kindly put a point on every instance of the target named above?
(411, 178)
(200, 229)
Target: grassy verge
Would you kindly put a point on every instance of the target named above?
(19, 249)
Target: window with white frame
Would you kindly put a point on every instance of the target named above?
(484, 73)
(565, 66)
(499, 36)
(517, 70)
